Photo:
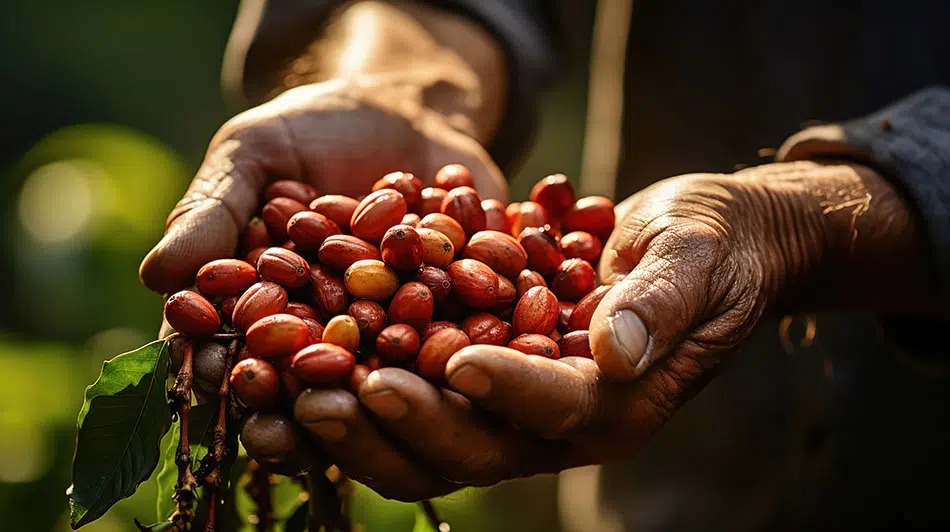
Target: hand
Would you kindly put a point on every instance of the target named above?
(697, 261)
(340, 136)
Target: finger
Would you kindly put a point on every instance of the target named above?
(440, 427)
(544, 396)
(645, 315)
(206, 223)
(334, 418)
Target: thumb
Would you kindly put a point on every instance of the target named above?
(654, 307)
(206, 224)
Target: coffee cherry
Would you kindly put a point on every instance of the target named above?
(283, 267)
(370, 318)
(339, 252)
(413, 305)
(500, 251)
(529, 214)
(536, 344)
(566, 308)
(437, 249)
(256, 383)
(323, 363)
(260, 300)
(528, 279)
(544, 253)
(225, 278)
(254, 254)
(226, 309)
(397, 343)
(452, 176)
(342, 331)
(555, 193)
(593, 214)
(581, 245)
(255, 236)
(410, 219)
(437, 350)
(536, 312)
(337, 208)
(406, 184)
(437, 280)
(584, 310)
(294, 190)
(191, 315)
(465, 206)
(376, 213)
(445, 225)
(309, 229)
(574, 279)
(360, 372)
(401, 248)
(276, 336)
(575, 344)
(277, 212)
(505, 294)
(436, 326)
(473, 283)
(431, 200)
(484, 328)
(495, 217)
(301, 310)
(371, 279)
(330, 297)
(315, 329)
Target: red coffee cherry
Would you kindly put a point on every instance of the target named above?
(397, 343)
(536, 344)
(339, 252)
(191, 315)
(536, 312)
(465, 206)
(575, 344)
(495, 217)
(260, 300)
(437, 350)
(294, 190)
(276, 336)
(225, 278)
(574, 279)
(370, 318)
(277, 212)
(255, 236)
(544, 253)
(323, 364)
(555, 193)
(283, 267)
(500, 251)
(431, 200)
(413, 305)
(337, 208)
(581, 245)
(584, 311)
(593, 214)
(256, 383)
(309, 229)
(376, 213)
(453, 176)
(406, 184)
(473, 283)
(484, 328)
(401, 248)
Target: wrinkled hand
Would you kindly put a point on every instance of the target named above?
(341, 136)
(696, 259)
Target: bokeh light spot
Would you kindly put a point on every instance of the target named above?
(56, 202)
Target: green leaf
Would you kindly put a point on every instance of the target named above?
(121, 424)
(200, 427)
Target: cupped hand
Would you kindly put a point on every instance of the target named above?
(340, 136)
(695, 261)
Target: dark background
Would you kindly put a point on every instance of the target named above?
(106, 110)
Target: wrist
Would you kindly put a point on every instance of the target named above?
(427, 58)
(843, 238)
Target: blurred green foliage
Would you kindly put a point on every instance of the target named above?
(108, 107)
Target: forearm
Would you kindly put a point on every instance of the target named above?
(423, 56)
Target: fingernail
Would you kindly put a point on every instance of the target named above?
(630, 335)
(328, 430)
(386, 404)
(471, 381)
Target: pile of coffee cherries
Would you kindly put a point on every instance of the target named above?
(331, 288)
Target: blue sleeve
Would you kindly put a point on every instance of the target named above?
(910, 142)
